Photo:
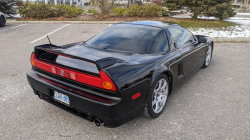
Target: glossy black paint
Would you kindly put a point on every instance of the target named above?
(131, 73)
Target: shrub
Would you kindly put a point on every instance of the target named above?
(133, 10)
(46, 11)
(145, 11)
(165, 12)
(119, 11)
(91, 10)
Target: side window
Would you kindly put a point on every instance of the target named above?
(161, 43)
(176, 33)
(188, 37)
(181, 35)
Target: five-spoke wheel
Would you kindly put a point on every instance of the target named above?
(157, 97)
(208, 56)
(160, 95)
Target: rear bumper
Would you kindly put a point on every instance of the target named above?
(112, 115)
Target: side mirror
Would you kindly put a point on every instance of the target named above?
(202, 40)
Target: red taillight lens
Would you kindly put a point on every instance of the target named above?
(32, 59)
(72, 75)
(107, 82)
(103, 81)
(53, 70)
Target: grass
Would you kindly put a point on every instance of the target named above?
(204, 23)
(187, 23)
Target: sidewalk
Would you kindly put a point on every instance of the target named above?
(216, 40)
(63, 22)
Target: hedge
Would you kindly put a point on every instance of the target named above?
(139, 11)
(46, 11)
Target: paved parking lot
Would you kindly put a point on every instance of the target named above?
(212, 104)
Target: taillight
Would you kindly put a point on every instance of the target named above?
(32, 59)
(103, 81)
(106, 81)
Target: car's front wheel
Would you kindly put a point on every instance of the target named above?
(208, 56)
(157, 97)
(2, 21)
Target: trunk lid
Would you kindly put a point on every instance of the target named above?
(83, 58)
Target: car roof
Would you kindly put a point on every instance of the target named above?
(151, 23)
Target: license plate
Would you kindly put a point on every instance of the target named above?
(61, 97)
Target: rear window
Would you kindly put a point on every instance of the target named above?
(131, 38)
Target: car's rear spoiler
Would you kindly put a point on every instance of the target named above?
(100, 63)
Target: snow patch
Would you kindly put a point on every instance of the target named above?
(15, 16)
(243, 14)
(239, 31)
(242, 31)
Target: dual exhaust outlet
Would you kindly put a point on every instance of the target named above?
(98, 122)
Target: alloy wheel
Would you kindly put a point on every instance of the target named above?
(160, 95)
(208, 56)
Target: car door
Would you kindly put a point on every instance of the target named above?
(187, 43)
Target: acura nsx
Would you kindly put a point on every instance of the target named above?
(125, 71)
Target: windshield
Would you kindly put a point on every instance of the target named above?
(131, 38)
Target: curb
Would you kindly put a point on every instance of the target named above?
(231, 40)
(63, 22)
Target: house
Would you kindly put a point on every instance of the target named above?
(240, 2)
(68, 2)
(76, 2)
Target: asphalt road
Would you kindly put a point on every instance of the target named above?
(212, 104)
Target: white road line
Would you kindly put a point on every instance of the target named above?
(49, 33)
(13, 27)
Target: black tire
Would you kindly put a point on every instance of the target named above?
(204, 64)
(148, 111)
(2, 21)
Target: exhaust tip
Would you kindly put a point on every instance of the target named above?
(35, 92)
(98, 122)
(40, 96)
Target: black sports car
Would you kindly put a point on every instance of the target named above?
(126, 70)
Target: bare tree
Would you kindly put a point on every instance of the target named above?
(105, 5)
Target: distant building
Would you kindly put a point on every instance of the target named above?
(240, 2)
(132, 1)
(68, 2)
(78, 2)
